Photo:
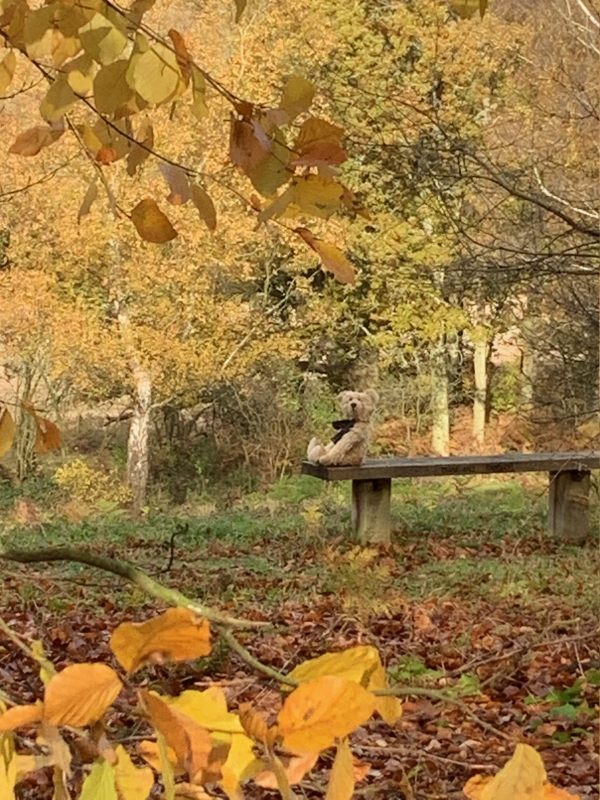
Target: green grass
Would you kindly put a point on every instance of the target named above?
(469, 539)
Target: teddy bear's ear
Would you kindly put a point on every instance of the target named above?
(341, 396)
(373, 395)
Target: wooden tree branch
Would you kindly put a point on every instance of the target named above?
(125, 570)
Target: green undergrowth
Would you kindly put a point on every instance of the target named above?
(472, 539)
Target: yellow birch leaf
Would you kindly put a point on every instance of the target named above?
(297, 96)
(388, 708)
(206, 208)
(7, 70)
(18, 716)
(59, 98)
(466, 8)
(208, 709)
(111, 90)
(167, 771)
(316, 196)
(100, 783)
(322, 710)
(241, 765)
(331, 257)
(80, 74)
(155, 75)
(150, 222)
(199, 107)
(102, 40)
(315, 131)
(133, 783)
(38, 31)
(7, 431)
(80, 694)
(151, 753)
(176, 635)
(341, 778)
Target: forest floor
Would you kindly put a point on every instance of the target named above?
(472, 599)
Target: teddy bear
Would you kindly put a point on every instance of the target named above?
(348, 447)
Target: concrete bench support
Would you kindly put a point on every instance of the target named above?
(569, 506)
(371, 521)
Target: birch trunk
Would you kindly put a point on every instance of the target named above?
(440, 432)
(480, 396)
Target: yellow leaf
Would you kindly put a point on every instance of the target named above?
(241, 764)
(355, 664)
(150, 222)
(208, 709)
(176, 635)
(59, 755)
(167, 772)
(315, 131)
(388, 708)
(8, 764)
(341, 779)
(199, 107)
(100, 783)
(31, 141)
(80, 694)
(150, 752)
(155, 75)
(80, 74)
(240, 5)
(197, 754)
(102, 40)
(295, 769)
(7, 70)
(297, 96)
(7, 431)
(317, 196)
(47, 436)
(322, 710)
(18, 716)
(467, 8)
(206, 208)
(523, 777)
(59, 98)
(263, 158)
(111, 90)
(133, 783)
(331, 257)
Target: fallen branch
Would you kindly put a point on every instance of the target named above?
(125, 570)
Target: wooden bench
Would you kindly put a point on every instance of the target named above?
(568, 514)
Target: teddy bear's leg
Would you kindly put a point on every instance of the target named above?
(315, 450)
(343, 453)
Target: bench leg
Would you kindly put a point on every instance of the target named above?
(569, 506)
(371, 511)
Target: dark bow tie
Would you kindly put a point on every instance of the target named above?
(342, 427)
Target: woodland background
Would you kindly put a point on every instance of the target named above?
(163, 395)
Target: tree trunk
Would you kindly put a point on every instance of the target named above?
(440, 433)
(479, 398)
(138, 442)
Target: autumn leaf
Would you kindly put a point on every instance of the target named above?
(322, 710)
(295, 769)
(241, 764)
(181, 53)
(297, 96)
(331, 257)
(523, 777)
(8, 763)
(240, 6)
(18, 716)
(138, 153)
(316, 196)
(100, 783)
(7, 70)
(7, 431)
(177, 182)
(80, 694)
(47, 436)
(88, 200)
(468, 8)
(206, 208)
(197, 754)
(208, 709)
(31, 141)
(150, 222)
(176, 635)
(133, 783)
(341, 779)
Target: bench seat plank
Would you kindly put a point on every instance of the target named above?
(426, 466)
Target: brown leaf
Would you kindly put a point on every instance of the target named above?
(295, 768)
(7, 431)
(150, 222)
(80, 694)
(181, 53)
(206, 208)
(176, 635)
(331, 257)
(177, 181)
(137, 155)
(245, 149)
(319, 154)
(240, 6)
(31, 141)
(47, 436)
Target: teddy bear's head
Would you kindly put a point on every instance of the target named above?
(358, 405)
